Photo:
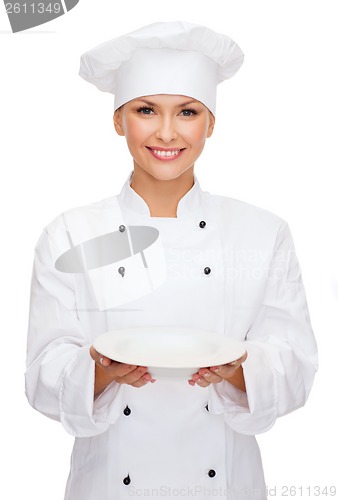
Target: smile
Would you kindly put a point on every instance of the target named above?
(165, 154)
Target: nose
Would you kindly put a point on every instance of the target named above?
(166, 130)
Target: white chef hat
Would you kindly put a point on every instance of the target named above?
(163, 58)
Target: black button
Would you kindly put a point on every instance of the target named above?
(127, 411)
(207, 270)
(207, 407)
(203, 224)
(212, 473)
(122, 228)
(126, 480)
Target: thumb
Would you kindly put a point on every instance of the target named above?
(99, 358)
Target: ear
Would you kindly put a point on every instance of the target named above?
(118, 121)
(211, 124)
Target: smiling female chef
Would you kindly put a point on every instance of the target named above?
(165, 253)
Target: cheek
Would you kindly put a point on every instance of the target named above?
(197, 134)
(137, 131)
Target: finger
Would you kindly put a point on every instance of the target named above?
(119, 370)
(94, 354)
(239, 361)
(221, 369)
(145, 379)
(244, 357)
(133, 376)
(199, 380)
(114, 368)
(192, 381)
(99, 358)
(142, 381)
(224, 371)
(209, 376)
(202, 382)
(105, 362)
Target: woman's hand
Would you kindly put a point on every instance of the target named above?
(107, 371)
(232, 372)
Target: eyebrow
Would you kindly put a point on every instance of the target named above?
(150, 103)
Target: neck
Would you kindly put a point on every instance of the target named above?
(161, 196)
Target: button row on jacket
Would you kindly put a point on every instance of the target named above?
(122, 270)
(207, 270)
(127, 480)
(127, 411)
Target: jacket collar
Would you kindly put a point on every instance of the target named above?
(130, 200)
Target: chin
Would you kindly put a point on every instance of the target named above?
(168, 173)
(167, 178)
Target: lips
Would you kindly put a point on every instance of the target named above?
(165, 153)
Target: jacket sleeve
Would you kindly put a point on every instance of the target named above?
(282, 351)
(60, 371)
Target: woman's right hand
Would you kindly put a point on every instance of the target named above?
(108, 370)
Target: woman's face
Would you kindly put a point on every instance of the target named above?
(165, 133)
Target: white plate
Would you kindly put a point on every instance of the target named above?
(169, 352)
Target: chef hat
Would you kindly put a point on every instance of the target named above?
(163, 58)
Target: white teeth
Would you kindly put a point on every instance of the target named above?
(165, 153)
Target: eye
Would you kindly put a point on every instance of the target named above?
(188, 112)
(144, 110)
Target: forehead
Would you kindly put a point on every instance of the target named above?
(165, 100)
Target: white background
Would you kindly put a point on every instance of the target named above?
(275, 145)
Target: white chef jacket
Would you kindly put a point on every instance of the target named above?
(169, 438)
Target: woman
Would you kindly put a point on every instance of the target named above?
(216, 264)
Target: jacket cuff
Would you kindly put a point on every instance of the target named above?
(255, 411)
(80, 415)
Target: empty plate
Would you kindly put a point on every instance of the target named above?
(169, 352)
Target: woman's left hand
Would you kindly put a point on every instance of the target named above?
(232, 372)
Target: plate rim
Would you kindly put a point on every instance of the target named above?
(212, 360)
